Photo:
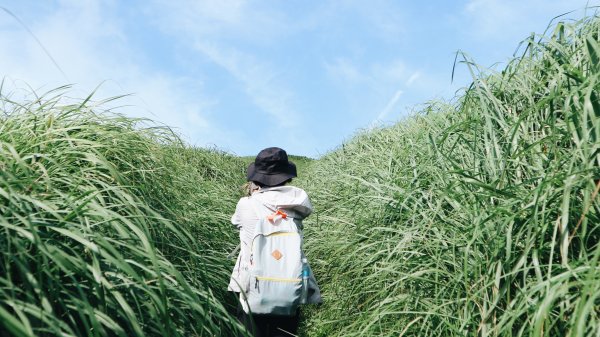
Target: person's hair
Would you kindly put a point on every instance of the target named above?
(252, 186)
(249, 187)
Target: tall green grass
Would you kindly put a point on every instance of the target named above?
(478, 217)
(110, 228)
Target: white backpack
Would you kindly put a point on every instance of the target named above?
(275, 271)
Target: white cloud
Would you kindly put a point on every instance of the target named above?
(208, 17)
(215, 27)
(376, 82)
(391, 72)
(218, 19)
(414, 77)
(386, 17)
(376, 74)
(508, 19)
(378, 77)
(259, 82)
(90, 46)
(388, 108)
(384, 20)
(344, 71)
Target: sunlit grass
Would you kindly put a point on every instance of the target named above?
(108, 228)
(473, 218)
(476, 217)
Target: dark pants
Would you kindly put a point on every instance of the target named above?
(269, 325)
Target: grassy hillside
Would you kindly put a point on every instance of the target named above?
(477, 217)
(110, 228)
(473, 218)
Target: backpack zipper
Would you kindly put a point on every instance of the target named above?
(282, 233)
(272, 234)
(273, 279)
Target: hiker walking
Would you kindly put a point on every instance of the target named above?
(272, 275)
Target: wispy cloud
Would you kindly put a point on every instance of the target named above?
(375, 74)
(413, 78)
(215, 27)
(218, 19)
(260, 82)
(98, 53)
(217, 70)
(388, 108)
(376, 80)
(344, 71)
(505, 19)
(383, 20)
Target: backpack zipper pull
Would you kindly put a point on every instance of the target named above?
(279, 214)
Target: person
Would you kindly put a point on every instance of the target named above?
(268, 182)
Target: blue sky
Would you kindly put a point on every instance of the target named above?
(244, 75)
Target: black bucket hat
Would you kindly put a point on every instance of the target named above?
(271, 167)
